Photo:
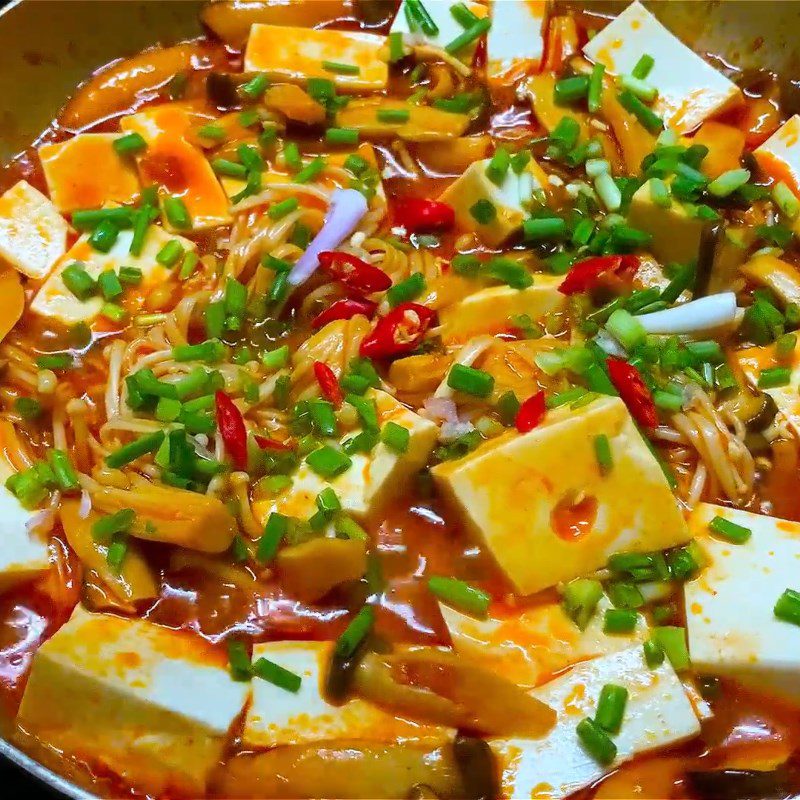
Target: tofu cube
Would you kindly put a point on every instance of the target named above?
(515, 42)
(676, 233)
(541, 506)
(172, 161)
(149, 704)
(658, 714)
(56, 301)
(291, 54)
(372, 480)
(277, 717)
(33, 235)
(489, 310)
(754, 360)
(531, 646)
(689, 89)
(510, 199)
(449, 28)
(86, 172)
(779, 157)
(730, 621)
(23, 556)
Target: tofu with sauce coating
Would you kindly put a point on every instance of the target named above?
(278, 717)
(152, 705)
(507, 202)
(372, 480)
(544, 509)
(33, 235)
(779, 158)
(56, 301)
(86, 172)
(515, 42)
(448, 28)
(293, 54)
(689, 89)
(730, 619)
(658, 714)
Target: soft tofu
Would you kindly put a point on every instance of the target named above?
(541, 506)
(779, 157)
(515, 42)
(754, 360)
(511, 199)
(448, 27)
(150, 704)
(372, 480)
(530, 647)
(676, 233)
(489, 310)
(277, 717)
(56, 301)
(172, 161)
(730, 621)
(23, 555)
(33, 235)
(658, 714)
(86, 172)
(689, 89)
(292, 54)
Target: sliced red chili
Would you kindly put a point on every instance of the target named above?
(265, 443)
(328, 383)
(632, 389)
(355, 273)
(419, 215)
(530, 413)
(231, 425)
(400, 331)
(347, 308)
(585, 274)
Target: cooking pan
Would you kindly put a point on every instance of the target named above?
(48, 46)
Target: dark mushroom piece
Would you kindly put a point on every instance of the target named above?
(476, 763)
(221, 91)
(782, 783)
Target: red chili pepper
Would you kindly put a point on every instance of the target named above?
(266, 443)
(343, 309)
(418, 215)
(400, 331)
(585, 274)
(632, 389)
(354, 273)
(328, 383)
(530, 413)
(231, 425)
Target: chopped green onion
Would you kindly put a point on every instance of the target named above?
(470, 381)
(130, 276)
(620, 620)
(594, 97)
(643, 66)
(349, 528)
(581, 597)
(104, 236)
(65, 475)
(422, 17)
(727, 183)
(602, 451)
(462, 15)
(291, 156)
(406, 290)
(107, 527)
(129, 144)
(328, 462)
(467, 37)
(659, 193)
(460, 595)
(229, 169)
(310, 170)
(215, 133)
(391, 115)
(773, 377)
(536, 229)
(190, 262)
(483, 211)
(626, 329)
(239, 661)
(167, 409)
(109, 284)
(284, 207)
(786, 200)
(395, 437)
(210, 351)
(136, 449)
(177, 213)
(170, 253)
(672, 640)
(355, 633)
(276, 674)
(255, 87)
(341, 69)
(276, 359)
(79, 281)
(611, 707)
(30, 408)
(596, 741)
(498, 166)
(115, 555)
(274, 532)
(788, 607)
(568, 90)
(730, 531)
(608, 191)
(653, 653)
(644, 91)
(396, 51)
(54, 361)
(648, 118)
(346, 136)
(509, 272)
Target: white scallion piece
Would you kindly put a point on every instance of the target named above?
(698, 315)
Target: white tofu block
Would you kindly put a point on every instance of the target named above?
(754, 360)
(530, 647)
(23, 556)
(56, 301)
(515, 42)
(372, 480)
(689, 89)
(152, 705)
(171, 160)
(779, 156)
(279, 717)
(542, 507)
(489, 310)
(658, 714)
(86, 172)
(296, 54)
(33, 235)
(731, 625)
(448, 27)
(676, 234)
(511, 199)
